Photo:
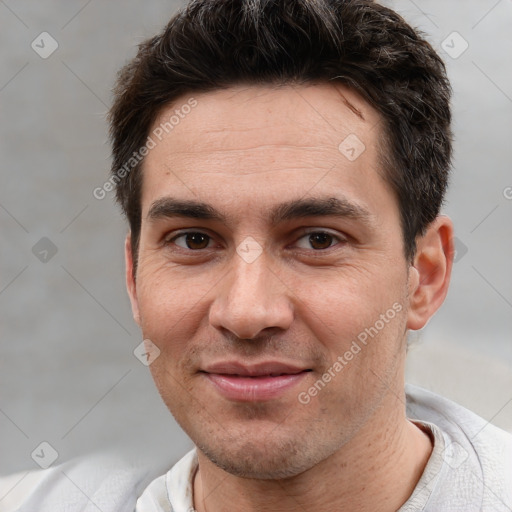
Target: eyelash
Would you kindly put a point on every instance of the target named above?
(171, 241)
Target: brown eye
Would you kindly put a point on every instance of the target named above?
(197, 240)
(320, 240)
(192, 240)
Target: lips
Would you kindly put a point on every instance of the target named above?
(259, 382)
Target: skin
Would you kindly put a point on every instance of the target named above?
(243, 151)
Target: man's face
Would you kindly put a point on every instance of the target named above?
(301, 258)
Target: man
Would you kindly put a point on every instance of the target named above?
(282, 165)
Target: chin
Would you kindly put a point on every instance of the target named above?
(263, 459)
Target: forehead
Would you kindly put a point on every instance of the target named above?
(334, 108)
(261, 141)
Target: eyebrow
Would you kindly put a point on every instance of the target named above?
(318, 207)
(168, 207)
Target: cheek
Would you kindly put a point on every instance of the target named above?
(359, 322)
(344, 302)
(169, 294)
(169, 312)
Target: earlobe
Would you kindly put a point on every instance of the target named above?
(429, 276)
(130, 279)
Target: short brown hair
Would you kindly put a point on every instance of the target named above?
(215, 44)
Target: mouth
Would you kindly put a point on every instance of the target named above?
(250, 383)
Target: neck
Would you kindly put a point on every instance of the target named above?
(376, 471)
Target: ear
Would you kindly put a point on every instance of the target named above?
(130, 278)
(429, 275)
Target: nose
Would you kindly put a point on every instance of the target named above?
(251, 298)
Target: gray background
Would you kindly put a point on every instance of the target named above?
(68, 375)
